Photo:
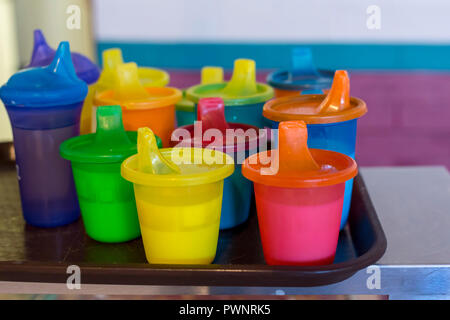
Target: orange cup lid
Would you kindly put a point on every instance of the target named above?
(128, 92)
(336, 106)
(293, 165)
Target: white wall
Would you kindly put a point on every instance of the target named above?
(413, 21)
(9, 61)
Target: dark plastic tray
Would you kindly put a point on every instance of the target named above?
(43, 255)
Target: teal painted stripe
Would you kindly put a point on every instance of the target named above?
(267, 56)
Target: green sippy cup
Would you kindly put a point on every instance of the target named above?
(106, 199)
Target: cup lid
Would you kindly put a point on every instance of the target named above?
(109, 144)
(293, 165)
(43, 55)
(208, 75)
(216, 132)
(53, 85)
(128, 92)
(174, 167)
(336, 106)
(303, 74)
(112, 58)
(241, 89)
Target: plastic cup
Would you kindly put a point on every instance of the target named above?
(238, 141)
(112, 58)
(331, 121)
(185, 108)
(179, 196)
(243, 96)
(44, 106)
(299, 194)
(302, 78)
(85, 69)
(106, 199)
(152, 107)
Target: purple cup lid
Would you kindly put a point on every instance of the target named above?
(43, 55)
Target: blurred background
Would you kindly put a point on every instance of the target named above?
(397, 52)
